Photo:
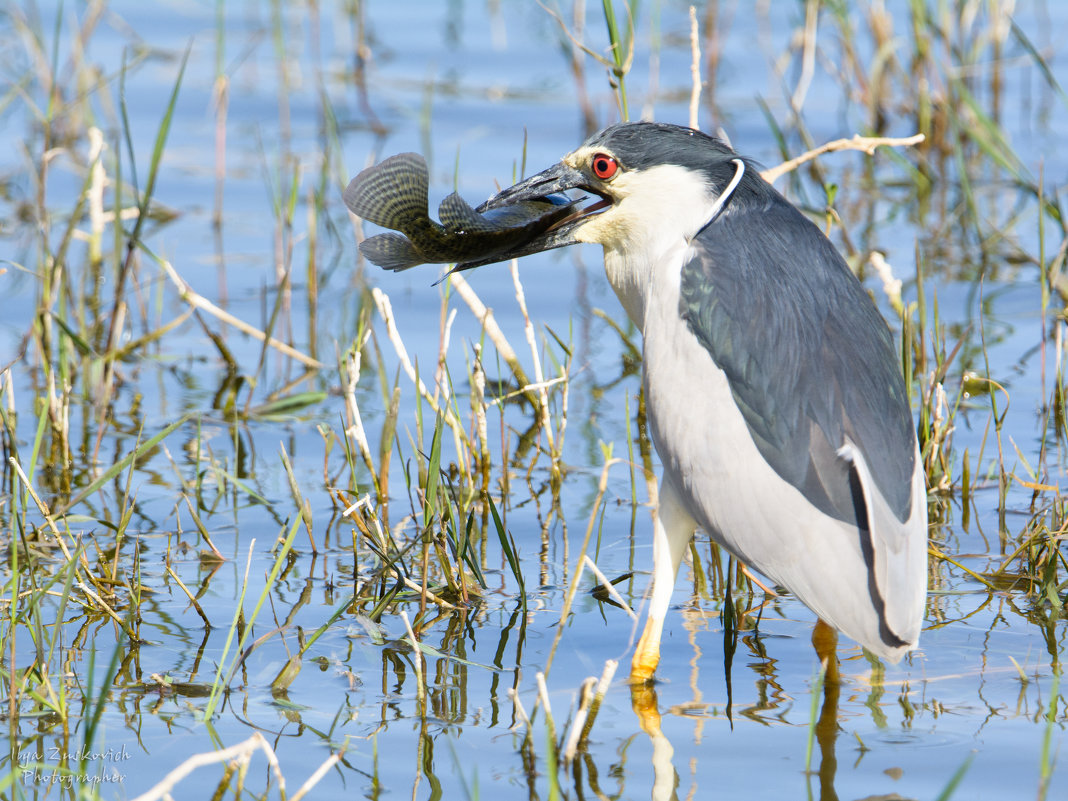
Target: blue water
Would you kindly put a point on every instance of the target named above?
(468, 84)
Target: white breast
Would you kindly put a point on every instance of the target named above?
(732, 492)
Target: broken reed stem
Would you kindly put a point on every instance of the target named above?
(95, 193)
(608, 585)
(385, 309)
(603, 684)
(528, 329)
(240, 753)
(317, 776)
(417, 658)
(350, 372)
(493, 331)
(479, 384)
(602, 487)
(543, 697)
(589, 704)
(579, 721)
(190, 596)
(857, 142)
(186, 293)
(440, 375)
(808, 56)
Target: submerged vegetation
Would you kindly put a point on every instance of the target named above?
(215, 498)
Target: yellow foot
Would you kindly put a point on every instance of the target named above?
(642, 667)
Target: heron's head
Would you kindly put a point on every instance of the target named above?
(649, 181)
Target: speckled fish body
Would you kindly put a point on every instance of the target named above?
(394, 195)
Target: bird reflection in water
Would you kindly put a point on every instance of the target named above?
(770, 698)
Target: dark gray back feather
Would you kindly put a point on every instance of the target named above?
(809, 359)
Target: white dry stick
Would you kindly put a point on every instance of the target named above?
(356, 430)
(385, 308)
(493, 331)
(695, 70)
(96, 192)
(480, 410)
(543, 696)
(316, 777)
(528, 329)
(240, 753)
(606, 679)
(9, 390)
(612, 591)
(443, 349)
(598, 696)
(552, 382)
(417, 658)
(186, 293)
(578, 723)
(857, 142)
(891, 285)
(521, 712)
(808, 55)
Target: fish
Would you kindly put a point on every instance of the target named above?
(395, 194)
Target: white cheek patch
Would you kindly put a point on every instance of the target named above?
(661, 204)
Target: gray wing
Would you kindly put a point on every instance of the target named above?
(809, 359)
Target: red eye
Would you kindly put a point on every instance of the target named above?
(604, 166)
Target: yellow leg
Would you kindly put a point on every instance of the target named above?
(647, 654)
(825, 641)
(672, 529)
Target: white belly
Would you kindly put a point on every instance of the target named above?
(732, 492)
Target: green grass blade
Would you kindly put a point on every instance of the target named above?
(123, 463)
(510, 553)
(955, 779)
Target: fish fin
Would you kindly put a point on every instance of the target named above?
(456, 215)
(391, 251)
(391, 193)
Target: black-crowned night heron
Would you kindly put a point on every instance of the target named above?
(772, 384)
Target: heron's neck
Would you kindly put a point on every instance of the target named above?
(630, 274)
(646, 234)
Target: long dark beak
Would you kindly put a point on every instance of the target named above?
(558, 178)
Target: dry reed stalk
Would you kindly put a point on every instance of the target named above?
(857, 142)
(539, 378)
(190, 296)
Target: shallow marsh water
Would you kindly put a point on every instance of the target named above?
(313, 94)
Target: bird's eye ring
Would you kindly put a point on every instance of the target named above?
(604, 166)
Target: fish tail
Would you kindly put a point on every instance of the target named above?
(391, 251)
(392, 194)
